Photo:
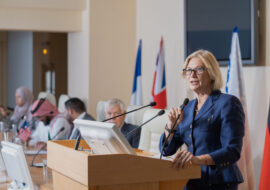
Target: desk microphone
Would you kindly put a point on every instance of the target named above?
(32, 163)
(78, 139)
(173, 126)
(151, 104)
(161, 112)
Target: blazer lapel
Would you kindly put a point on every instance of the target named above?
(189, 113)
(207, 104)
(124, 129)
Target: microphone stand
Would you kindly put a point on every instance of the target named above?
(151, 104)
(161, 112)
(171, 131)
(166, 140)
(78, 139)
(32, 163)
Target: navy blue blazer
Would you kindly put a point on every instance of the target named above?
(134, 137)
(218, 130)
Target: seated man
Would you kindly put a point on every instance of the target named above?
(75, 109)
(44, 111)
(115, 107)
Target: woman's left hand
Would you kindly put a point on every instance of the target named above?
(182, 159)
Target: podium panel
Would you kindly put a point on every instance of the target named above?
(81, 170)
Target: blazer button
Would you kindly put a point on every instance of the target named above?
(190, 126)
(190, 136)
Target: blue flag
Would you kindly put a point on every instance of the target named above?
(136, 97)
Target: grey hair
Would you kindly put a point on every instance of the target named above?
(113, 102)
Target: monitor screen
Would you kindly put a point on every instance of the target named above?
(209, 25)
(16, 165)
(103, 138)
(3, 177)
(2, 165)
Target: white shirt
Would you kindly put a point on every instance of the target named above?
(40, 134)
(56, 124)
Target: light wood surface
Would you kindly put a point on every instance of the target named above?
(80, 170)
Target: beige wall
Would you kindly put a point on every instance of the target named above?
(39, 15)
(112, 50)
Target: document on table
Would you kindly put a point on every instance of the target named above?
(32, 152)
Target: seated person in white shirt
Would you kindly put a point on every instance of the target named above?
(44, 111)
(75, 109)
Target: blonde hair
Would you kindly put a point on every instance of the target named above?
(210, 62)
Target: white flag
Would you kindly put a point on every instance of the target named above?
(235, 86)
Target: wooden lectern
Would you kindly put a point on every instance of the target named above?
(84, 171)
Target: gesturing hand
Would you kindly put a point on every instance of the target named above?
(182, 159)
(173, 116)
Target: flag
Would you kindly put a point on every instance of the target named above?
(265, 173)
(235, 86)
(24, 133)
(136, 97)
(159, 84)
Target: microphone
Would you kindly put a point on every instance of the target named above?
(32, 163)
(151, 104)
(173, 126)
(78, 140)
(161, 112)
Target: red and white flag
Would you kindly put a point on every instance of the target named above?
(159, 84)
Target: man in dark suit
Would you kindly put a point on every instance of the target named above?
(75, 109)
(115, 107)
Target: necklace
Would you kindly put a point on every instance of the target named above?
(196, 110)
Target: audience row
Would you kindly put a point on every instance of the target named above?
(37, 122)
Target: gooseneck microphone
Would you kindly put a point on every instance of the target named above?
(78, 139)
(161, 112)
(151, 104)
(32, 163)
(173, 126)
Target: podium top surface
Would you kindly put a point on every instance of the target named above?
(93, 170)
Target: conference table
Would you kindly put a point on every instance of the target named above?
(44, 182)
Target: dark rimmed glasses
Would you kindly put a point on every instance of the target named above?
(197, 71)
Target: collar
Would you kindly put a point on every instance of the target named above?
(121, 126)
(81, 116)
(207, 104)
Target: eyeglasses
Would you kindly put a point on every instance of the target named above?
(197, 71)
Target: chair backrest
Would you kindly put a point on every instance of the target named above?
(100, 110)
(49, 96)
(151, 132)
(134, 118)
(61, 102)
